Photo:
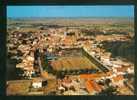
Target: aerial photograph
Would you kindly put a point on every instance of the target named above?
(70, 50)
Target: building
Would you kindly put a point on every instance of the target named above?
(118, 80)
(92, 87)
(37, 83)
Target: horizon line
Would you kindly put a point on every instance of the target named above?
(74, 17)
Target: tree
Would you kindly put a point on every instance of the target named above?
(109, 91)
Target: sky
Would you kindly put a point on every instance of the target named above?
(70, 11)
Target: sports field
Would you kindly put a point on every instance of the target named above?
(73, 63)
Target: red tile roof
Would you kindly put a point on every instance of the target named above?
(93, 86)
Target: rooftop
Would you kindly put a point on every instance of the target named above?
(93, 86)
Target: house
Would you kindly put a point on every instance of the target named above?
(118, 80)
(130, 70)
(92, 87)
(37, 83)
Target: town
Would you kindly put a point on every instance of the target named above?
(65, 56)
